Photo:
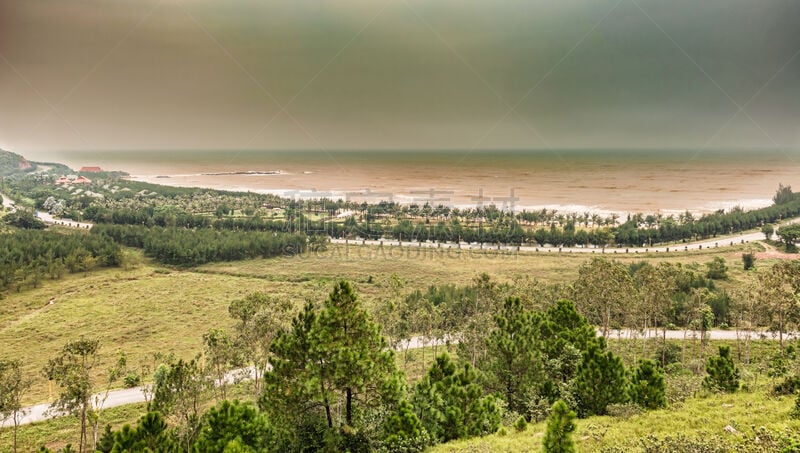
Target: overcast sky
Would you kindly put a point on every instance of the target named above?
(398, 74)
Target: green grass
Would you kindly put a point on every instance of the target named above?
(704, 417)
(144, 308)
(148, 308)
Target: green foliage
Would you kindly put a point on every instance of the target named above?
(221, 354)
(178, 391)
(601, 380)
(748, 261)
(789, 234)
(259, 319)
(151, 434)
(648, 388)
(560, 426)
(564, 334)
(783, 195)
(332, 358)
(602, 291)
(723, 375)
(13, 386)
(789, 386)
(513, 362)
(23, 219)
(795, 414)
(27, 256)
(716, 269)
(185, 247)
(71, 370)
(768, 230)
(403, 431)
(521, 424)
(452, 405)
(234, 421)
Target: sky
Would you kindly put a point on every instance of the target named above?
(398, 74)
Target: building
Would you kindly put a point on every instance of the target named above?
(90, 170)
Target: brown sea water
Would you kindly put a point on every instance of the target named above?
(571, 181)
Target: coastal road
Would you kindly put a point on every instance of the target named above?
(703, 245)
(724, 241)
(134, 395)
(50, 220)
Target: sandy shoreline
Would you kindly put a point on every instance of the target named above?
(452, 198)
(597, 182)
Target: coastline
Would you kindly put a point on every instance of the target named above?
(598, 182)
(449, 198)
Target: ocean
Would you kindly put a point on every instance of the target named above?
(598, 181)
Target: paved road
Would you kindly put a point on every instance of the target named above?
(706, 244)
(49, 219)
(726, 242)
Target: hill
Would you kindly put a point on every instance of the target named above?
(12, 163)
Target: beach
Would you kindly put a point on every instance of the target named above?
(596, 181)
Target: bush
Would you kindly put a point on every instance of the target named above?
(626, 410)
(723, 375)
(560, 426)
(788, 386)
(717, 269)
(670, 352)
(521, 424)
(748, 261)
(647, 386)
(132, 380)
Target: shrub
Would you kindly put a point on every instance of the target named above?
(723, 375)
(132, 380)
(788, 386)
(626, 410)
(748, 261)
(670, 352)
(716, 269)
(647, 386)
(521, 424)
(560, 425)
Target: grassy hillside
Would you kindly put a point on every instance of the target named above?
(148, 308)
(698, 424)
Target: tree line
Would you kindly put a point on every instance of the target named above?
(29, 256)
(503, 228)
(187, 247)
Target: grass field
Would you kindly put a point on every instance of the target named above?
(147, 308)
(144, 308)
(703, 418)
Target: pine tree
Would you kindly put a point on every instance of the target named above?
(647, 386)
(230, 421)
(350, 353)
(514, 364)
(403, 431)
(333, 363)
(560, 425)
(600, 381)
(723, 375)
(451, 405)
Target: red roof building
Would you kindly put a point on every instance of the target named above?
(90, 170)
